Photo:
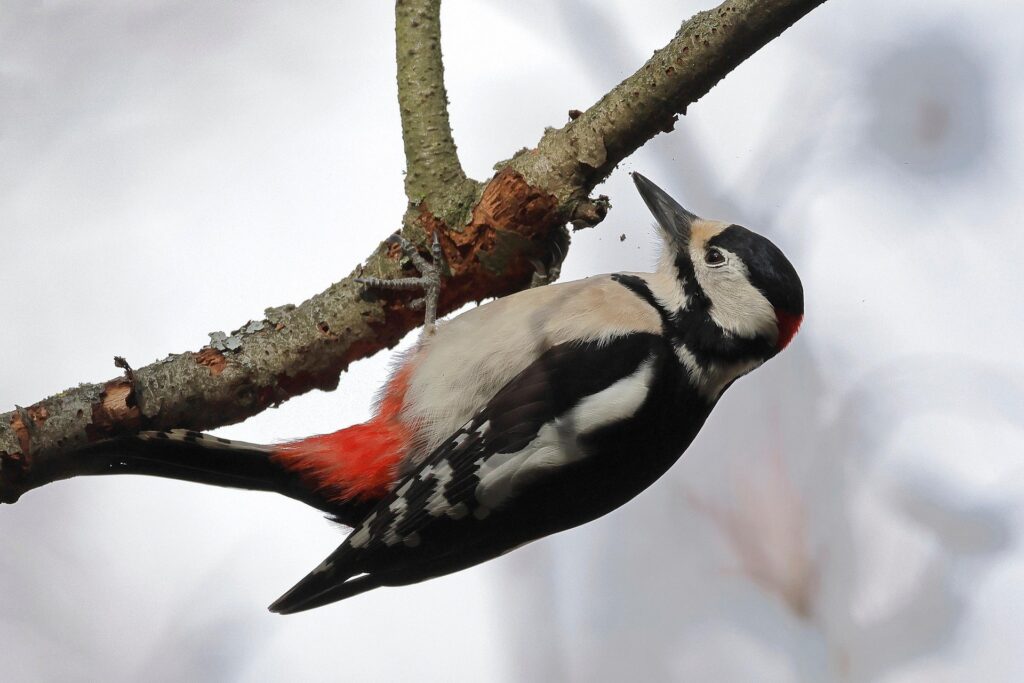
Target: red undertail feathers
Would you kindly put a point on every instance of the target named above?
(358, 462)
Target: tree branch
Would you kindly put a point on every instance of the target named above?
(433, 172)
(490, 233)
(584, 152)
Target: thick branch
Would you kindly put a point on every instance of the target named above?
(489, 237)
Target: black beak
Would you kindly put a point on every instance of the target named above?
(673, 219)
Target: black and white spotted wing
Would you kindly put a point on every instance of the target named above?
(528, 464)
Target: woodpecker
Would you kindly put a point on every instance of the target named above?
(525, 416)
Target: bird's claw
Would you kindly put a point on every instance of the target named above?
(542, 275)
(546, 269)
(429, 280)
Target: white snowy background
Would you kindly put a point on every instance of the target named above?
(851, 512)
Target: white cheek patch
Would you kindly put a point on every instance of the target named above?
(736, 305)
(557, 443)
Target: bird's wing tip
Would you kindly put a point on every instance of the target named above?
(311, 593)
(278, 608)
(285, 604)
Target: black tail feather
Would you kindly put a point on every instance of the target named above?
(201, 458)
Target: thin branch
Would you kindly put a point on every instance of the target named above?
(584, 152)
(490, 237)
(433, 172)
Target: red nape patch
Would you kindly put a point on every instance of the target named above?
(358, 462)
(789, 323)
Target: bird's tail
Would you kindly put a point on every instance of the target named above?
(197, 457)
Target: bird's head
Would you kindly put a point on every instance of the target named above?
(739, 279)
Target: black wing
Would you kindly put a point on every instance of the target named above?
(452, 511)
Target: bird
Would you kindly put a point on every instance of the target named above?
(525, 416)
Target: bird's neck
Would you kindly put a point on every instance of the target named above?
(712, 357)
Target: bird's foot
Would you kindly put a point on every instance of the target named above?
(543, 275)
(429, 280)
(547, 270)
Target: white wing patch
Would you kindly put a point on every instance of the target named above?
(557, 443)
(618, 402)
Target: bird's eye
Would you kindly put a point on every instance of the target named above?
(713, 257)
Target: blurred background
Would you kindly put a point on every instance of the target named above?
(852, 512)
